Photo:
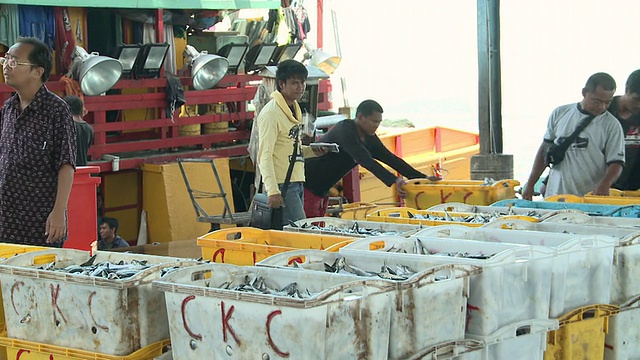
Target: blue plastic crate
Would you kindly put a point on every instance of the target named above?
(629, 211)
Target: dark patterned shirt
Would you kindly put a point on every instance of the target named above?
(34, 144)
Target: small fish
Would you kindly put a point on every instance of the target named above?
(89, 262)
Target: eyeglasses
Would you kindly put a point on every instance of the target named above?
(12, 63)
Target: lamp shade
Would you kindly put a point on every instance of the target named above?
(206, 70)
(324, 61)
(96, 74)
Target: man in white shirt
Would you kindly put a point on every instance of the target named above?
(595, 159)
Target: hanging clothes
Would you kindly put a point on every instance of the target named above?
(170, 61)
(37, 22)
(9, 24)
(65, 42)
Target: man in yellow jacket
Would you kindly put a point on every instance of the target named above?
(279, 125)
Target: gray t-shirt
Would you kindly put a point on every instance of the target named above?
(586, 160)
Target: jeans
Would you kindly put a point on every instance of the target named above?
(293, 203)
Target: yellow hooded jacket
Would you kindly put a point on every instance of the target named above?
(275, 123)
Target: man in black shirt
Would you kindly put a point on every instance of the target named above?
(358, 144)
(626, 109)
(84, 131)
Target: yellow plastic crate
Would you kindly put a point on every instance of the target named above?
(247, 245)
(423, 194)
(357, 210)
(616, 198)
(385, 215)
(581, 334)
(27, 350)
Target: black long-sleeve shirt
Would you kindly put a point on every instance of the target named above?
(321, 173)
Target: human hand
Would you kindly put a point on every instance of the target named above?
(527, 192)
(319, 151)
(601, 190)
(276, 201)
(56, 226)
(400, 183)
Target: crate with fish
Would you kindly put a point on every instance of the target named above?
(29, 350)
(594, 199)
(585, 219)
(423, 194)
(224, 311)
(430, 300)
(539, 214)
(626, 254)
(623, 338)
(522, 340)
(349, 228)
(632, 211)
(582, 265)
(581, 335)
(102, 303)
(514, 285)
(403, 215)
(247, 245)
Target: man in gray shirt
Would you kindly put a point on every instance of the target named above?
(595, 159)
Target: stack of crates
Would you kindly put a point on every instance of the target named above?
(509, 298)
(608, 329)
(336, 318)
(70, 315)
(247, 245)
(429, 307)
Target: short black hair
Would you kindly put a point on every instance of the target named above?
(75, 104)
(290, 69)
(40, 55)
(604, 80)
(111, 222)
(368, 107)
(633, 83)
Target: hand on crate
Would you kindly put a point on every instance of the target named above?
(400, 183)
(601, 189)
(276, 201)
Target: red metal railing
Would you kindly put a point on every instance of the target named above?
(161, 141)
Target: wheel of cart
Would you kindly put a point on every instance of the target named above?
(197, 196)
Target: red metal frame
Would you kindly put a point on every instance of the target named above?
(162, 140)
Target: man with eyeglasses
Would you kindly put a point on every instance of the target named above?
(37, 156)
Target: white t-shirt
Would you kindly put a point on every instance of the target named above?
(586, 160)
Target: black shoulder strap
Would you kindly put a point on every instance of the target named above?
(292, 162)
(564, 144)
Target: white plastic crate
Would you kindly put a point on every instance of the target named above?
(344, 319)
(504, 210)
(582, 266)
(307, 226)
(622, 342)
(585, 219)
(114, 317)
(626, 256)
(448, 350)
(429, 307)
(522, 340)
(514, 284)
